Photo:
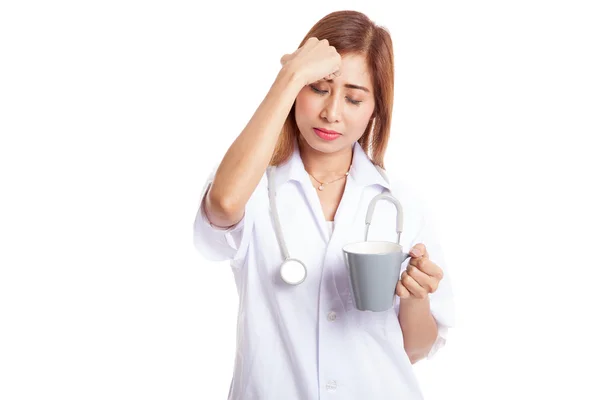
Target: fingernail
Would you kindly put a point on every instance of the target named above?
(416, 252)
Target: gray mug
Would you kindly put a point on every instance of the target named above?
(374, 267)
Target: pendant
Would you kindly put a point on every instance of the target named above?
(321, 187)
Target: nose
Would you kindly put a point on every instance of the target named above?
(331, 111)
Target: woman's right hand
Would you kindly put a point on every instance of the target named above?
(314, 61)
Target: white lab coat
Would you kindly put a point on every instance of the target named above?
(308, 341)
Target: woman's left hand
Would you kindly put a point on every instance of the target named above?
(421, 277)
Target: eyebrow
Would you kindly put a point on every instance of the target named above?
(350, 86)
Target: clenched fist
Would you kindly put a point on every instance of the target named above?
(313, 61)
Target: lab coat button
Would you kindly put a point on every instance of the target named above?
(331, 386)
(331, 316)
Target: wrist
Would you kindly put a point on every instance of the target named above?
(291, 78)
(415, 302)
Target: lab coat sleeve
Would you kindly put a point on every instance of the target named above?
(220, 244)
(442, 300)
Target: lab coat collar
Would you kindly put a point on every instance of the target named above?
(363, 171)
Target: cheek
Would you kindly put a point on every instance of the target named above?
(360, 118)
(306, 106)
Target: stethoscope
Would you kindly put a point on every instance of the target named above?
(292, 270)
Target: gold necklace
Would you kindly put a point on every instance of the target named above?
(323, 184)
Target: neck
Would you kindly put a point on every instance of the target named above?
(325, 166)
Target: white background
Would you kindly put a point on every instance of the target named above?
(112, 114)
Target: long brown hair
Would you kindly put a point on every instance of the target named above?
(354, 32)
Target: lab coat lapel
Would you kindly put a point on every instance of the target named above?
(347, 213)
(315, 205)
(350, 214)
(293, 170)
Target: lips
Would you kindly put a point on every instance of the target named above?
(328, 131)
(326, 134)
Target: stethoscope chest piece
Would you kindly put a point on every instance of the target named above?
(293, 271)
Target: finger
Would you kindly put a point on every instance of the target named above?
(401, 291)
(427, 282)
(419, 250)
(284, 59)
(333, 75)
(287, 57)
(329, 77)
(311, 41)
(413, 287)
(430, 268)
(419, 276)
(427, 266)
(417, 261)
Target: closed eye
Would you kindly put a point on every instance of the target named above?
(322, 92)
(317, 90)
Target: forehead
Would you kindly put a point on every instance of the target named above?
(354, 70)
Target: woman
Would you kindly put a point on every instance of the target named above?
(322, 128)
